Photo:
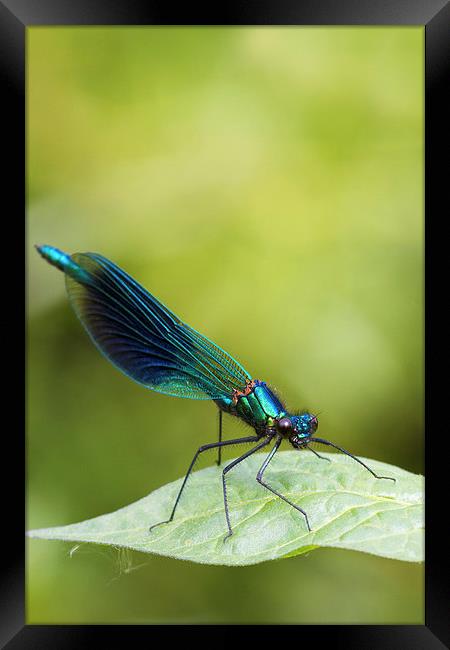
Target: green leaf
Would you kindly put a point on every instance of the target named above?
(346, 506)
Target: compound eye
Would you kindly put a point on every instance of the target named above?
(285, 425)
(314, 424)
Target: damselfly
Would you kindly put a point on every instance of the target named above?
(147, 342)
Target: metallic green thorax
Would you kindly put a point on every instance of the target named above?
(256, 405)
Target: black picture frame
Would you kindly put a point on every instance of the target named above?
(15, 17)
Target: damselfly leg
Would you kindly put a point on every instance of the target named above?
(219, 450)
(228, 468)
(260, 475)
(347, 453)
(199, 451)
(318, 455)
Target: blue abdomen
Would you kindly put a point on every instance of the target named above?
(257, 405)
(64, 262)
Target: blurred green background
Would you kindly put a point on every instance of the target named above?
(267, 185)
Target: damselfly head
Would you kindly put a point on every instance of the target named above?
(285, 425)
(303, 427)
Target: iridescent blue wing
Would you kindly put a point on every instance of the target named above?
(145, 340)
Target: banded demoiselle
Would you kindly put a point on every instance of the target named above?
(151, 345)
